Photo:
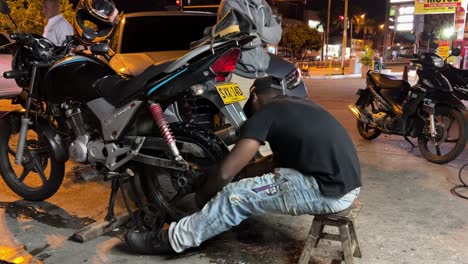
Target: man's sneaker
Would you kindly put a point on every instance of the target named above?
(145, 242)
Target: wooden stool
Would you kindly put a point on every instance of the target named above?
(344, 220)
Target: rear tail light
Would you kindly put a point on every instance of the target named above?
(225, 64)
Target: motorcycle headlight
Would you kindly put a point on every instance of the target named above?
(438, 61)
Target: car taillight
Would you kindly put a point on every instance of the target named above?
(225, 64)
(294, 78)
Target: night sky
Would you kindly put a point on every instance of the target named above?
(374, 8)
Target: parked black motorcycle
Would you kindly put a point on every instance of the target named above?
(428, 110)
(458, 78)
(77, 108)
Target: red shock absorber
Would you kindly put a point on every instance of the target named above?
(158, 116)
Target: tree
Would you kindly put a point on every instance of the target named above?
(300, 39)
(28, 16)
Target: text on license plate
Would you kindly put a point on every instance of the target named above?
(230, 93)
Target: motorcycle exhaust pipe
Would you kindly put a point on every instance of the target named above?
(357, 113)
(228, 135)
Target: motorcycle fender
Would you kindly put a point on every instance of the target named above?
(233, 112)
(449, 99)
(54, 139)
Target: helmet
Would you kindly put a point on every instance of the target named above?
(94, 20)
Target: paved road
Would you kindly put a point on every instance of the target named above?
(408, 215)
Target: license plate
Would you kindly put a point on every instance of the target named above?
(230, 93)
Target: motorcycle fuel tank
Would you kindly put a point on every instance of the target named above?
(73, 78)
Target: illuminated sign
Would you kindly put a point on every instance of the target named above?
(400, 1)
(436, 6)
(405, 19)
(406, 10)
(404, 27)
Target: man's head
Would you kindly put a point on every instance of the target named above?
(50, 8)
(261, 93)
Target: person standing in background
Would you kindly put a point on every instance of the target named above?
(254, 60)
(57, 28)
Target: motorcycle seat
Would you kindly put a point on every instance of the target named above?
(118, 90)
(385, 81)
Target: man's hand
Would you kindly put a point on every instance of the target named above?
(237, 159)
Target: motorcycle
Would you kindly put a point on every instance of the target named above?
(76, 108)
(457, 77)
(428, 110)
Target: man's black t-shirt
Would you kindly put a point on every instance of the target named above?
(309, 139)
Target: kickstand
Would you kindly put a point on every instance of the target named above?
(110, 210)
(409, 141)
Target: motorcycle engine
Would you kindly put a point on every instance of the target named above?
(78, 150)
(385, 122)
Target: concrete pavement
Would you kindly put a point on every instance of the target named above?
(408, 215)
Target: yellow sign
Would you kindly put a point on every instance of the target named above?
(230, 93)
(444, 49)
(436, 6)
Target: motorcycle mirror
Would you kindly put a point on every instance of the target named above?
(456, 52)
(4, 7)
(101, 48)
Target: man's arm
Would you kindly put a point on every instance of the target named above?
(237, 159)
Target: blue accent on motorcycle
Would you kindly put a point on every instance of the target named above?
(82, 59)
(166, 81)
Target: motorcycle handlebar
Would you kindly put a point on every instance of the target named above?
(21, 37)
(13, 74)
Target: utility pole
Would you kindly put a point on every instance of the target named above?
(328, 30)
(344, 44)
(387, 17)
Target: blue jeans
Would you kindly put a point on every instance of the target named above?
(286, 191)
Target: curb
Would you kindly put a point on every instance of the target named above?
(349, 76)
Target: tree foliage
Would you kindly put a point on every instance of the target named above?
(300, 39)
(367, 57)
(28, 16)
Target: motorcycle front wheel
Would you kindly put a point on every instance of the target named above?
(451, 136)
(169, 189)
(39, 176)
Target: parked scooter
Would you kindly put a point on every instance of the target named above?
(77, 108)
(428, 110)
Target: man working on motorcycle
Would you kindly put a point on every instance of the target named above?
(315, 171)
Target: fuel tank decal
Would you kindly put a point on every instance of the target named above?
(166, 81)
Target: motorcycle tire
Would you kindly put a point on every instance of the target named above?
(460, 143)
(367, 132)
(17, 177)
(152, 179)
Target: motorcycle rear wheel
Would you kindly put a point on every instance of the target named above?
(450, 123)
(39, 176)
(160, 185)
